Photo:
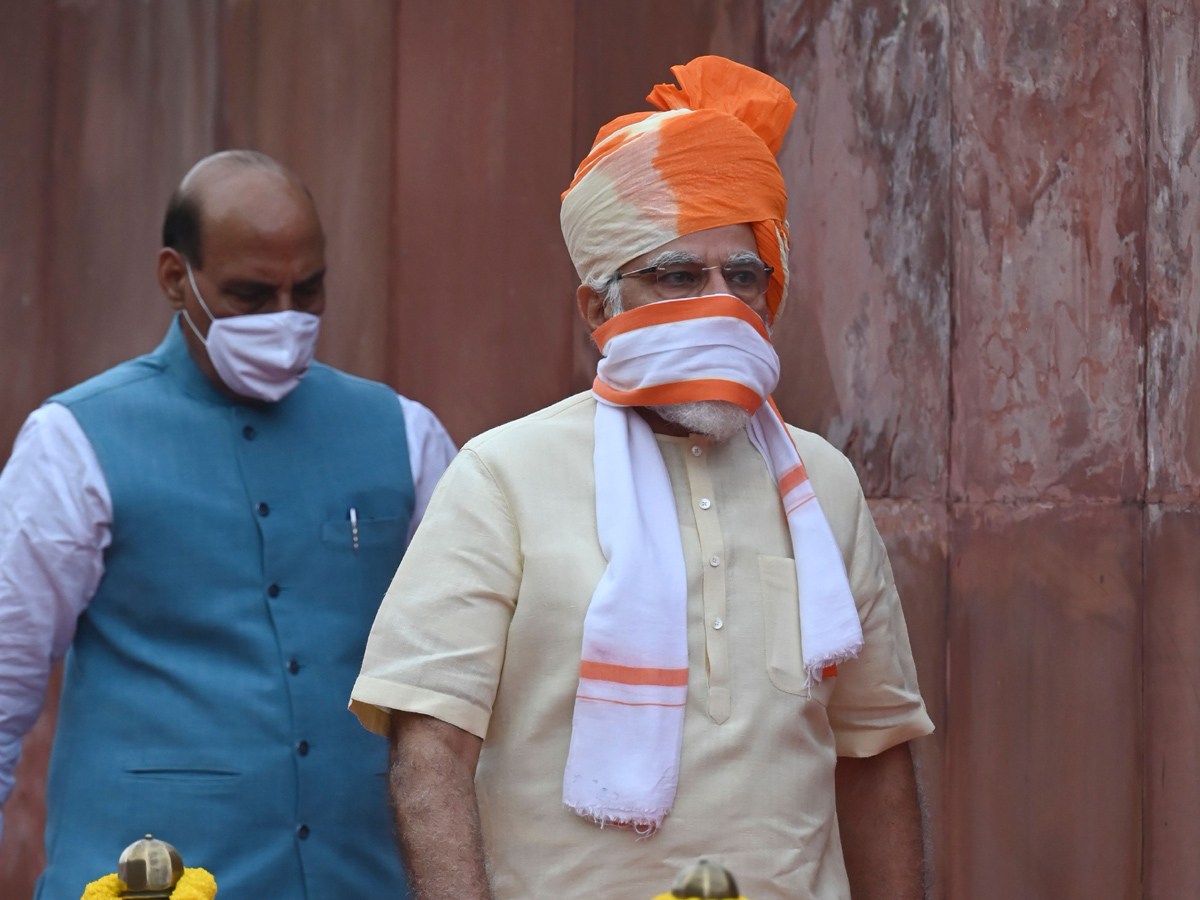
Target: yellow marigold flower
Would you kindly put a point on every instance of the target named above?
(106, 888)
(193, 884)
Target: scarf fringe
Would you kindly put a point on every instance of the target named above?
(644, 821)
(813, 670)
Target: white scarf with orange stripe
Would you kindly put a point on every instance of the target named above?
(627, 732)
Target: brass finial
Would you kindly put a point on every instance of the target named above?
(705, 881)
(149, 868)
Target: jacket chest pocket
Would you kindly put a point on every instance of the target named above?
(781, 630)
(365, 533)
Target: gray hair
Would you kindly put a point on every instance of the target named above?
(609, 290)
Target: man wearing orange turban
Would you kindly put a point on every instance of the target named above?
(652, 621)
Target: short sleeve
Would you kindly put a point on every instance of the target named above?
(437, 645)
(876, 703)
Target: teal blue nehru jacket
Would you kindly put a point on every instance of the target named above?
(204, 696)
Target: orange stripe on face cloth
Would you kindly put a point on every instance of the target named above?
(681, 392)
(792, 478)
(598, 671)
(670, 311)
(626, 702)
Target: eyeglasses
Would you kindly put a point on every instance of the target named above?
(745, 280)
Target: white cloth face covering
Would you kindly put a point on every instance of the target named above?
(627, 731)
(261, 356)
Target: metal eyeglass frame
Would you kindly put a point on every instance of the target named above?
(654, 270)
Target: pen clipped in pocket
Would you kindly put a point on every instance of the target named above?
(365, 532)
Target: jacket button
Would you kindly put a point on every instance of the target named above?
(264, 510)
(302, 748)
(248, 432)
(273, 590)
(302, 832)
(293, 666)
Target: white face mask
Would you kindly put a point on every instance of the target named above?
(261, 356)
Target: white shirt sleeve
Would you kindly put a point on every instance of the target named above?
(55, 522)
(430, 450)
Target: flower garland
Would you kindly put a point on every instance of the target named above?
(194, 884)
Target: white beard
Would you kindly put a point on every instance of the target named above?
(719, 419)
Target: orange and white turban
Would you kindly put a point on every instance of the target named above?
(706, 160)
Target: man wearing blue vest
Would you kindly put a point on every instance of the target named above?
(205, 532)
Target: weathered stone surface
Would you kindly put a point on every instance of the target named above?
(1172, 697)
(437, 137)
(1044, 702)
(865, 341)
(27, 345)
(1049, 238)
(483, 290)
(1173, 293)
(135, 99)
(329, 118)
(916, 536)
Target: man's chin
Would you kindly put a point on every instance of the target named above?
(719, 419)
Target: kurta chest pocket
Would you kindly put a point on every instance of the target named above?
(781, 629)
(364, 533)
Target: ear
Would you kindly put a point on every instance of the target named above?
(172, 273)
(591, 308)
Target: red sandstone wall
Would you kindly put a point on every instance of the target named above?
(992, 208)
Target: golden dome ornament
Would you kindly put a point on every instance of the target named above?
(149, 869)
(703, 881)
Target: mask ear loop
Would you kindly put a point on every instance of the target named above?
(203, 306)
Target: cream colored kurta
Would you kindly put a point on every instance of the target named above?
(483, 625)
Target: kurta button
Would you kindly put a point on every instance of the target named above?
(302, 832)
(696, 451)
(714, 561)
(705, 503)
(248, 432)
(293, 666)
(302, 748)
(264, 510)
(273, 590)
(718, 624)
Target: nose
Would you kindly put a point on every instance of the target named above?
(285, 298)
(716, 282)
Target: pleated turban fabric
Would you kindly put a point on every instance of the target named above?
(705, 160)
